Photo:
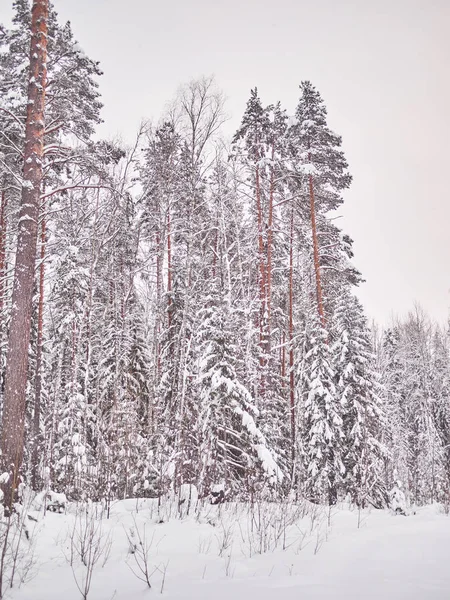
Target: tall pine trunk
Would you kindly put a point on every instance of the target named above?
(291, 339)
(269, 249)
(12, 439)
(169, 272)
(3, 229)
(319, 294)
(3, 205)
(3, 288)
(158, 259)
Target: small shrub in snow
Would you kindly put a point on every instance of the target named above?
(140, 546)
(89, 546)
(16, 548)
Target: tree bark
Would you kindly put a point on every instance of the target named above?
(319, 294)
(169, 272)
(3, 228)
(3, 225)
(3, 269)
(158, 304)
(12, 439)
(269, 249)
(291, 338)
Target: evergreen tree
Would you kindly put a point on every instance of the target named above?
(13, 423)
(320, 174)
(358, 390)
(233, 449)
(323, 436)
(250, 144)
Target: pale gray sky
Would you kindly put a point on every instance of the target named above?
(383, 69)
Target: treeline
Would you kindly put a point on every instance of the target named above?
(193, 317)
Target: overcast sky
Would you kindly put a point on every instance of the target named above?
(381, 66)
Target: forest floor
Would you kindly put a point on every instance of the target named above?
(233, 552)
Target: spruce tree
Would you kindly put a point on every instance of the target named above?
(358, 391)
(323, 437)
(233, 449)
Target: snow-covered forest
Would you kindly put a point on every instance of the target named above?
(183, 313)
(194, 317)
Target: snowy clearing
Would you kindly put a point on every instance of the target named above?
(233, 551)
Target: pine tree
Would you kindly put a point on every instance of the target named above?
(253, 137)
(12, 440)
(320, 169)
(69, 106)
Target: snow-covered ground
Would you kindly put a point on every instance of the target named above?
(233, 552)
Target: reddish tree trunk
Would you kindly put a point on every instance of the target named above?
(269, 248)
(38, 377)
(319, 294)
(158, 304)
(3, 227)
(2, 255)
(291, 338)
(12, 440)
(169, 271)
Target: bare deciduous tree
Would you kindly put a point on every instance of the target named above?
(198, 113)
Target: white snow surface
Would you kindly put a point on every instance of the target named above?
(229, 552)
